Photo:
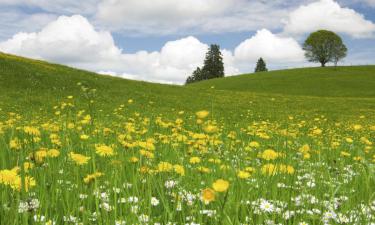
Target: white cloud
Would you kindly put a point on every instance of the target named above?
(271, 47)
(74, 41)
(328, 14)
(194, 16)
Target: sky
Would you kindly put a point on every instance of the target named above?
(166, 40)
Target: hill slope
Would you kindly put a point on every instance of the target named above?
(355, 81)
(29, 86)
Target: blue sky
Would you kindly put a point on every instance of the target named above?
(165, 40)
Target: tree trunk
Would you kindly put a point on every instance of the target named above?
(323, 64)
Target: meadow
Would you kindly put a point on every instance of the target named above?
(284, 147)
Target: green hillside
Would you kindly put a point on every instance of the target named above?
(284, 147)
(29, 85)
(354, 81)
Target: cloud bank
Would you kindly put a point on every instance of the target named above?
(75, 41)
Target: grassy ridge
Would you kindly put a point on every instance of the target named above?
(35, 84)
(354, 81)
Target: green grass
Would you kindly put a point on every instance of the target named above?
(319, 123)
(353, 81)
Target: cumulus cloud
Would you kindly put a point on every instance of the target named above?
(328, 14)
(271, 47)
(195, 16)
(74, 41)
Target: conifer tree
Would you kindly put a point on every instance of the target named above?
(261, 66)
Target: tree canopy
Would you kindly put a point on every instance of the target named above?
(324, 46)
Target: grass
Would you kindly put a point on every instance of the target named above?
(294, 146)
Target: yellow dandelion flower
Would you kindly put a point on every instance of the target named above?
(53, 153)
(104, 150)
(194, 160)
(179, 170)
(91, 177)
(79, 159)
(243, 174)
(269, 154)
(202, 114)
(165, 167)
(208, 195)
(220, 185)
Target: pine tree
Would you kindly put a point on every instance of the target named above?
(196, 76)
(261, 66)
(213, 64)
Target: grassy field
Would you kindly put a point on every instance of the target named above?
(283, 147)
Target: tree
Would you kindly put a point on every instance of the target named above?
(196, 76)
(324, 46)
(213, 66)
(261, 66)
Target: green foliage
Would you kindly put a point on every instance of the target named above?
(261, 66)
(213, 66)
(324, 46)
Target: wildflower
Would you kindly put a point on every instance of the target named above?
(243, 174)
(92, 177)
(170, 184)
(254, 144)
(208, 195)
(194, 160)
(269, 169)
(269, 154)
(165, 167)
(104, 150)
(133, 159)
(266, 206)
(79, 159)
(220, 185)
(53, 153)
(84, 137)
(202, 114)
(210, 128)
(154, 201)
(179, 170)
(32, 131)
(15, 144)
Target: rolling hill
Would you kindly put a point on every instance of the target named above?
(31, 85)
(81, 148)
(354, 81)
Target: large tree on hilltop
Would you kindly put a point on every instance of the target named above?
(324, 46)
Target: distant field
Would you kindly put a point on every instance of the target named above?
(283, 147)
(354, 81)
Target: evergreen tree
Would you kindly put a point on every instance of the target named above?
(261, 66)
(196, 76)
(213, 64)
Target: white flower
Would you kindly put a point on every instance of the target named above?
(154, 201)
(170, 184)
(143, 218)
(266, 206)
(133, 199)
(303, 223)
